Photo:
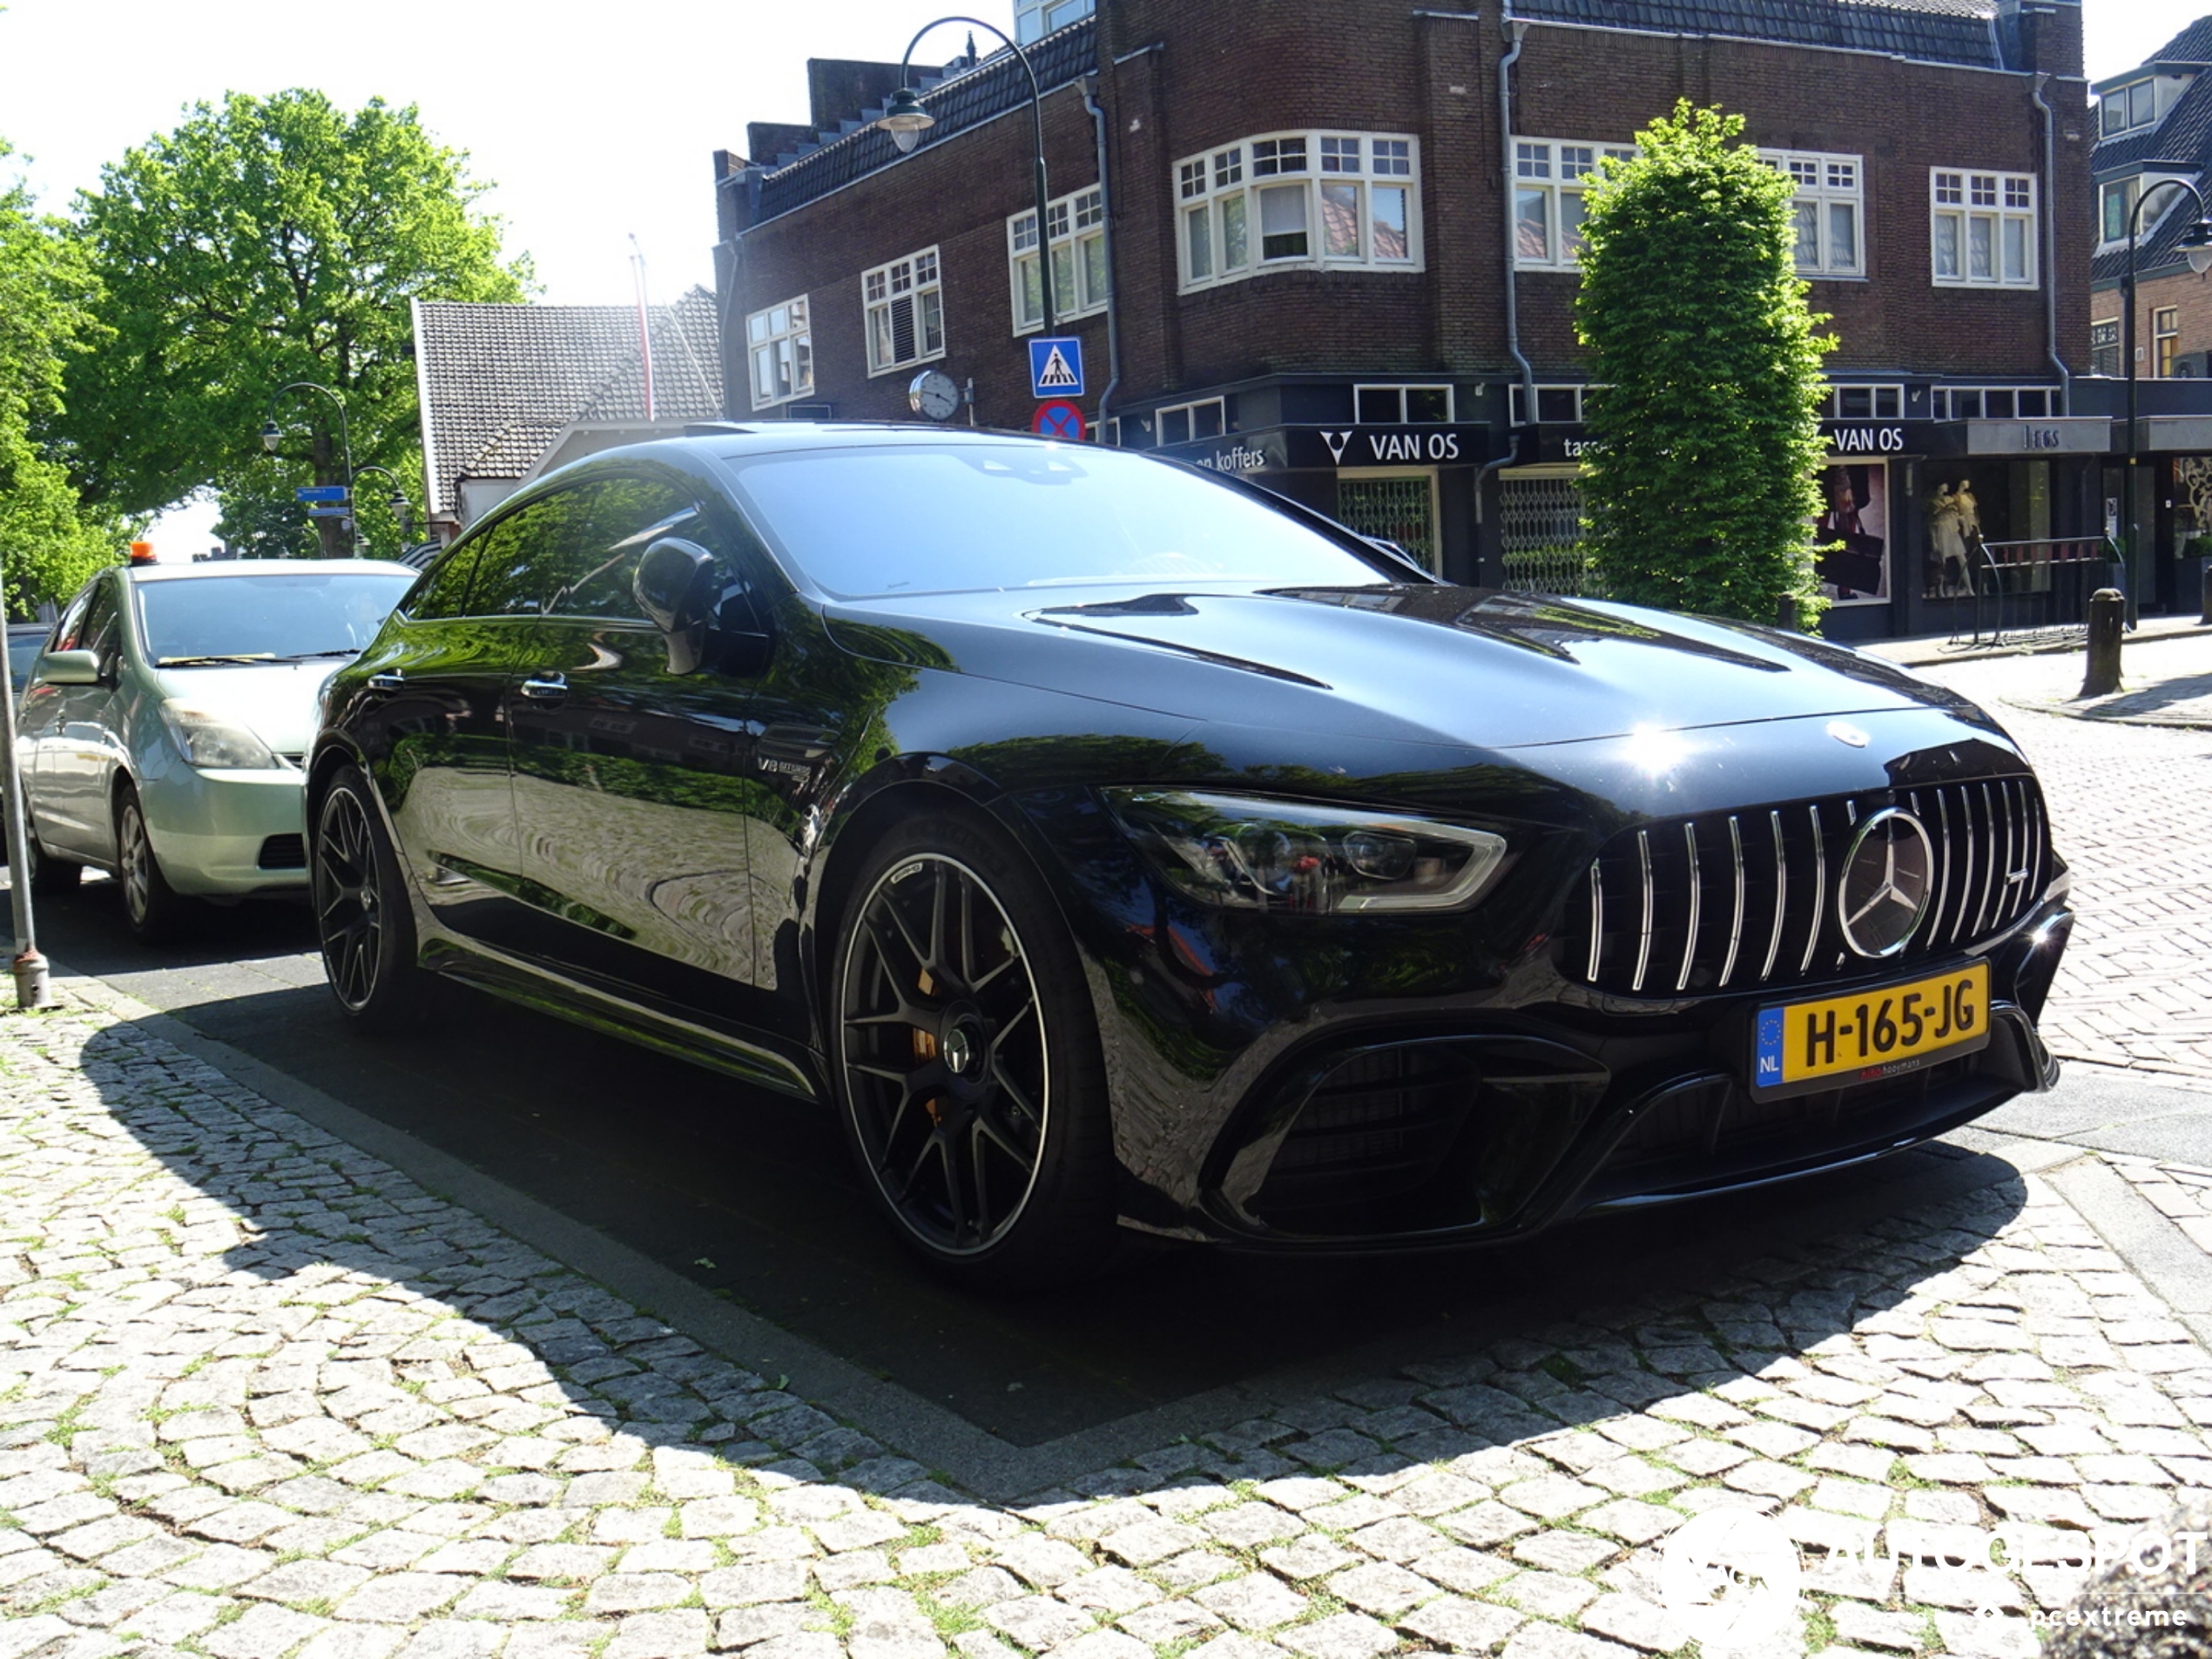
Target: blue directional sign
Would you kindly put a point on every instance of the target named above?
(1056, 367)
(320, 492)
(330, 512)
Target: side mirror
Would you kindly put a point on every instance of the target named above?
(68, 668)
(675, 588)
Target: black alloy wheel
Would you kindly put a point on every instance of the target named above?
(154, 909)
(968, 1062)
(361, 917)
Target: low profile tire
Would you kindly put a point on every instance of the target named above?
(966, 1056)
(156, 911)
(47, 877)
(362, 917)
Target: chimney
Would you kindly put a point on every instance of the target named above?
(2041, 37)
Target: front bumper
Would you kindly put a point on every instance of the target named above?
(228, 834)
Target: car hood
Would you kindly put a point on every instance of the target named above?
(1442, 665)
(276, 701)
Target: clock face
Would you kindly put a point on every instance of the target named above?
(933, 393)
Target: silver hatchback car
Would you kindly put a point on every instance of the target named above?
(161, 730)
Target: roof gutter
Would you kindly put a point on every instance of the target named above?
(2051, 245)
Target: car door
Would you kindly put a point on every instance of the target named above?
(630, 781)
(432, 724)
(81, 745)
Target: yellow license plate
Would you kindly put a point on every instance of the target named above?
(1871, 1034)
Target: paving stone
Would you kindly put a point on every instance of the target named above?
(1345, 1636)
(1038, 1621)
(1463, 1626)
(1380, 1589)
(1253, 1603)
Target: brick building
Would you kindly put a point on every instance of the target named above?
(2154, 128)
(1350, 272)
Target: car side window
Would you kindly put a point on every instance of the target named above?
(97, 630)
(71, 627)
(443, 594)
(513, 554)
(588, 566)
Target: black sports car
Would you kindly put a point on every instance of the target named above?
(1103, 840)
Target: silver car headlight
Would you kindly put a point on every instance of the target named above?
(216, 744)
(1284, 855)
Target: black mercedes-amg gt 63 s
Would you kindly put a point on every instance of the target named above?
(1106, 841)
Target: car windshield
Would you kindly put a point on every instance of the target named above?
(281, 617)
(871, 521)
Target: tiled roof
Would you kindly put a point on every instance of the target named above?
(962, 100)
(502, 382)
(2184, 136)
(2192, 45)
(1942, 32)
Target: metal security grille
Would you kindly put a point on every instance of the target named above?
(1541, 533)
(1397, 509)
(1733, 900)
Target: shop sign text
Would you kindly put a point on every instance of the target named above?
(1867, 441)
(1385, 447)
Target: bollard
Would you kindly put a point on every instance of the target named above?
(30, 969)
(2107, 617)
(1785, 611)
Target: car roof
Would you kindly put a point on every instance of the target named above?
(731, 440)
(214, 570)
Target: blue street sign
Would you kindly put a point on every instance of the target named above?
(320, 492)
(1056, 367)
(330, 512)
(1058, 419)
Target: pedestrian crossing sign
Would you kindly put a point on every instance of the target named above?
(1056, 367)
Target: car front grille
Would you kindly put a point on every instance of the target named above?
(283, 852)
(1747, 900)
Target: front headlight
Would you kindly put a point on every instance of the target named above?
(1284, 855)
(214, 743)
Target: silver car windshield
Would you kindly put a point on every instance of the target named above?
(865, 521)
(278, 617)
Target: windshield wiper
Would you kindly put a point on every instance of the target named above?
(202, 662)
(311, 656)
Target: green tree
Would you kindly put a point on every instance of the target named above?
(1706, 370)
(264, 242)
(48, 543)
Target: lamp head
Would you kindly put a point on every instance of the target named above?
(272, 434)
(402, 512)
(905, 119)
(2196, 242)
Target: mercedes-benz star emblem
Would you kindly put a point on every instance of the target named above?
(1888, 875)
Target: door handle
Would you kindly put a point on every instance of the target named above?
(393, 681)
(545, 687)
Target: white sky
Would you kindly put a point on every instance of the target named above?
(592, 123)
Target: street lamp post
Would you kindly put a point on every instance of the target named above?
(906, 120)
(2196, 243)
(273, 434)
(402, 508)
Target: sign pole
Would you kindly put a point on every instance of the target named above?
(28, 966)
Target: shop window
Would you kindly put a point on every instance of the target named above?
(1332, 199)
(1555, 405)
(782, 351)
(1983, 229)
(1540, 532)
(1077, 225)
(2104, 348)
(1401, 405)
(1866, 403)
(906, 312)
(2166, 339)
(1549, 177)
(1398, 507)
(1187, 422)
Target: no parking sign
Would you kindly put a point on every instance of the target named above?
(1058, 419)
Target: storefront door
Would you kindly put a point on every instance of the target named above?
(1397, 505)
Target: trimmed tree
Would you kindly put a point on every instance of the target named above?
(1701, 483)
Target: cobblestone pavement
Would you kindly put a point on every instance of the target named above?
(2131, 809)
(2181, 1194)
(262, 1396)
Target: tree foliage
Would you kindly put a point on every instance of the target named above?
(265, 242)
(49, 543)
(1701, 484)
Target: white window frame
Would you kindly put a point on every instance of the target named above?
(1831, 191)
(1311, 193)
(1218, 407)
(1035, 19)
(1078, 227)
(1972, 403)
(1401, 387)
(915, 281)
(2112, 345)
(1964, 202)
(2165, 325)
(1885, 398)
(1551, 176)
(780, 336)
(2137, 103)
(1517, 405)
